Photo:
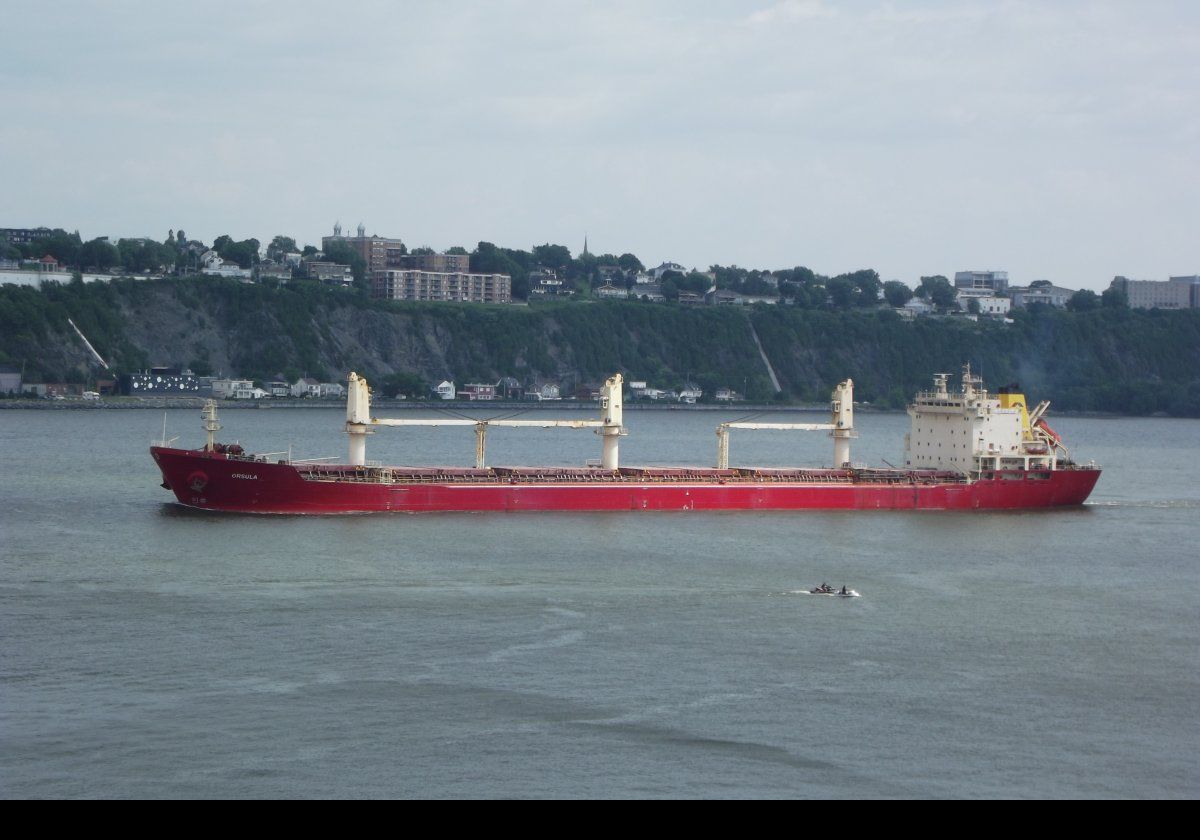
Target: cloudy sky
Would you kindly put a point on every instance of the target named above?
(1057, 140)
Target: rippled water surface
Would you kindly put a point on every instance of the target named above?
(150, 651)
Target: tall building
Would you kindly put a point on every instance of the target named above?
(460, 286)
(1177, 293)
(452, 263)
(378, 252)
(22, 236)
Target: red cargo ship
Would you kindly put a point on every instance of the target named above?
(965, 450)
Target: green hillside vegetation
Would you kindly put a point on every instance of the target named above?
(1103, 359)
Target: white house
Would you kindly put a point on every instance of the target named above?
(212, 263)
(331, 390)
(224, 389)
(665, 267)
(250, 393)
(445, 390)
(989, 304)
(306, 386)
(608, 290)
(540, 393)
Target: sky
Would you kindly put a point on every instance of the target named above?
(1055, 140)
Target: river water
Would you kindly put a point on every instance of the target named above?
(151, 651)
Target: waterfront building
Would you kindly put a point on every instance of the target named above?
(273, 270)
(212, 264)
(1182, 292)
(411, 284)
(544, 282)
(1040, 291)
(10, 379)
(306, 386)
(658, 273)
(334, 274)
(608, 290)
(23, 236)
(442, 263)
(161, 381)
(994, 281)
(378, 252)
(474, 391)
(651, 292)
(227, 389)
(988, 303)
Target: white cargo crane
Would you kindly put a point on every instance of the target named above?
(359, 422)
(840, 427)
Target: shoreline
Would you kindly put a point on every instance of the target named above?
(196, 403)
(136, 403)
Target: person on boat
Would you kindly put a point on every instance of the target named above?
(843, 592)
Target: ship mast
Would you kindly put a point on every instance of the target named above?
(209, 416)
(358, 418)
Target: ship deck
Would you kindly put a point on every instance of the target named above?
(624, 475)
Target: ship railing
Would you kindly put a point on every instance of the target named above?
(653, 475)
(569, 475)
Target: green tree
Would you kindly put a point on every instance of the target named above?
(1113, 298)
(1084, 300)
(141, 256)
(61, 245)
(938, 291)
(98, 253)
(244, 253)
(865, 284)
(280, 246)
(896, 293)
(408, 384)
(629, 262)
(343, 254)
(552, 256)
(693, 282)
(841, 292)
(489, 259)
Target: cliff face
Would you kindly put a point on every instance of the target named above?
(1114, 360)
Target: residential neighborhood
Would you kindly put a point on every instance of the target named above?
(385, 268)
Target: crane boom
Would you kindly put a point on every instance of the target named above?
(359, 422)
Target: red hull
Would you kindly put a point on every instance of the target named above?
(215, 482)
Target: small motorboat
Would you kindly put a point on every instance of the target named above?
(844, 592)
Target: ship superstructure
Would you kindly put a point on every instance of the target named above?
(973, 432)
(964, 450)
